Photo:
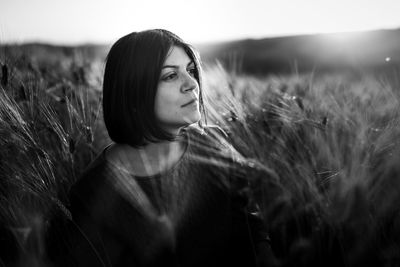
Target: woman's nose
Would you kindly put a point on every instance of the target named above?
(189, 83)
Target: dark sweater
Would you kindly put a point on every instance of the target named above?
(195, 214)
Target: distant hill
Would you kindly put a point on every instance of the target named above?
(374, 50)
(323, 52)
(42, 52)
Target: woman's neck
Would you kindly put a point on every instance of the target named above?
(148, 160)
(161, 151)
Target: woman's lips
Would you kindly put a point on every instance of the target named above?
(188, 103)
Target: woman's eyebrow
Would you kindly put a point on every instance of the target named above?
(176, 66)
(170, 66)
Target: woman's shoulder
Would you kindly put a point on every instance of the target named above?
(92, 177)
(209, 134)
(205, 129)
(212, 138)
(95, 167)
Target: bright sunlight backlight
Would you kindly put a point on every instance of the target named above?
(73, 21)
(344, 37)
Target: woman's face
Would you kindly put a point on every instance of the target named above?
(177, 97)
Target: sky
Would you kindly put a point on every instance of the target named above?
(75, 22)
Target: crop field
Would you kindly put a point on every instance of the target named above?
(331, 140)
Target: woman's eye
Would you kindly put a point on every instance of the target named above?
(169, 76)
(192, 71)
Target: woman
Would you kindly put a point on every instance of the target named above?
(169, 191)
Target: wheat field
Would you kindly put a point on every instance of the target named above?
(332, 141)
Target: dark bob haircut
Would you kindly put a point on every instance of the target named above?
(131, 76)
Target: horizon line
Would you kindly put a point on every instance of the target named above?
(201, 43)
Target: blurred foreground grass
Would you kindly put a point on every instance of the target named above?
(333, 141)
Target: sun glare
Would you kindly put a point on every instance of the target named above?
(212, 21)
(344, 37)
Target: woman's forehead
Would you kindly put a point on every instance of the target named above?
(177, 56)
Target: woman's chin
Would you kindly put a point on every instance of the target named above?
(194, 118)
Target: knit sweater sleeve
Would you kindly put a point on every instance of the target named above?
(247, 217)
(118, 230)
